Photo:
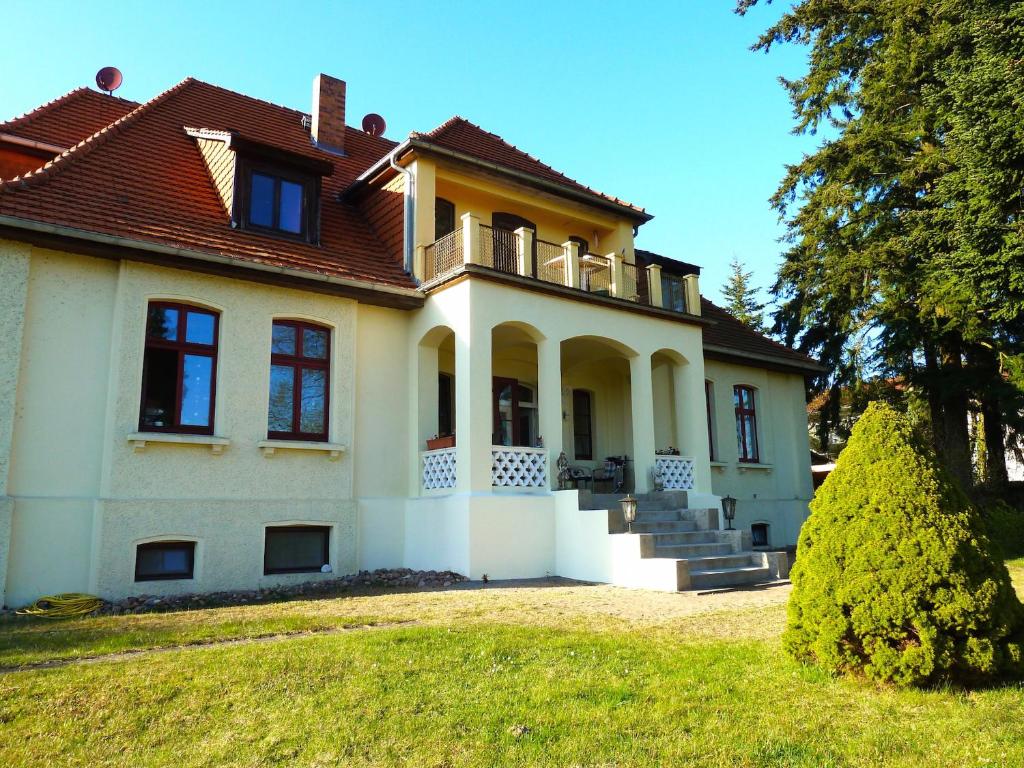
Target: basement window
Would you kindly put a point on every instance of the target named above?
(163, 560)
(296, 549)
(759, 535)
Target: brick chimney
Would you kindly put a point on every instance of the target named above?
(329, 113)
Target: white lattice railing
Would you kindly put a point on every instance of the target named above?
(439, 469)
(676, 472)
(518, 467)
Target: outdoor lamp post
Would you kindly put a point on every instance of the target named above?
(629, 505)
(729, 509)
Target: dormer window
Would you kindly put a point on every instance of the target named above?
(279, 202)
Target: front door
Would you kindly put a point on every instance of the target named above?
(506, 412)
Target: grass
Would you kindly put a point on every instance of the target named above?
(565, 676)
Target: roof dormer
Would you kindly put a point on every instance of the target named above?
(264, 189)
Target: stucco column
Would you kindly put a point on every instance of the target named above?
(549, 401)
(642, 399)
(524, 251)
(692, 421)
(471, 238)
(618, 288)
(572, 263)
(473, 404)
(654, 285)
(692, 294)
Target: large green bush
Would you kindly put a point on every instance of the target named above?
(895, 576)
(1005, 527)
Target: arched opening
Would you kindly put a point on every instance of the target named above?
(597, 428)
(515, 382)
(436, 374)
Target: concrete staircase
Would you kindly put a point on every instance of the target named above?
(680, 548)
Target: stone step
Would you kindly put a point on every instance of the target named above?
(703, 563)
(657, 516)
(688, 551)
(668, 526)
(728, 577)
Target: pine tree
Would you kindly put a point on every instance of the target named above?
(741, 297)
(906, 226)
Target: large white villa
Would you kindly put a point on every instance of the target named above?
(241, 345)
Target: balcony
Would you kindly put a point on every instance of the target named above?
(520, 253)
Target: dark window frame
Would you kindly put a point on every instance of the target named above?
(760, 526)
(510, 222)
(310, 200)
(182, 347)
(747, 454)
(709, 402)
(449, 208)
(445, 405)
(324, 529)
(590, 425)
(298, 363)
(189, 546)
(679, 282)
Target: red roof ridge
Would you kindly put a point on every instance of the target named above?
(87, 145)
(27, 117)
(297, 112)
(764, 337)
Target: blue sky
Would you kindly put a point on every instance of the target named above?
(659, 103)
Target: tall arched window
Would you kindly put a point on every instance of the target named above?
(746, 423)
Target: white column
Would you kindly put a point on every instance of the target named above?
(549, 402)
(572, 263)
(471, 238)
(524, 251)
(419, 264)
(654, 285)
(618, 288)
(473, 404)
(642, 399)
(692, 421)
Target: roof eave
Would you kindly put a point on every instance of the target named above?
(807, 367)
(417, 143)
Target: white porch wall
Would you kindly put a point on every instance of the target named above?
(487, 304)
(777, 494)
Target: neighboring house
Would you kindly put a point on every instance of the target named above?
(228, 330)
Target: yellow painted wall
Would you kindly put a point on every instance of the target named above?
(778, 492)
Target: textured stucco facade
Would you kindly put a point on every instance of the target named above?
(82, 488)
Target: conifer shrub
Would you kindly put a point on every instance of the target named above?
(1005, 526)
(895, 576)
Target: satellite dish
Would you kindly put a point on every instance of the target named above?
(374, 124)
(109, 79)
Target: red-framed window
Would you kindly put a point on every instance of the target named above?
(179, 369)
(746, 423)
(300, 379)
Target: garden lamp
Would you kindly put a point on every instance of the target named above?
(729, 509)
(629, 505)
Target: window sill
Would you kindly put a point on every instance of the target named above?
(719, 464)
(269, 447)
(139, 440)
(743, 466)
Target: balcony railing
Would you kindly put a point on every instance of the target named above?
(438, 469)
(520, 253)
(519, 467)
(551, 262)
(676, 472)
(596, 274)
(444, 255)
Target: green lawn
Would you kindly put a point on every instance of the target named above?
(567, 676)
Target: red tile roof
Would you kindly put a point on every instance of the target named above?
(68, 120)
(143, 178)
(728, 333)
(460, 135)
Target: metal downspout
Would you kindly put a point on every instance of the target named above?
(410, 213)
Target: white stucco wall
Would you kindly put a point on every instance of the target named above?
(778, 490)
